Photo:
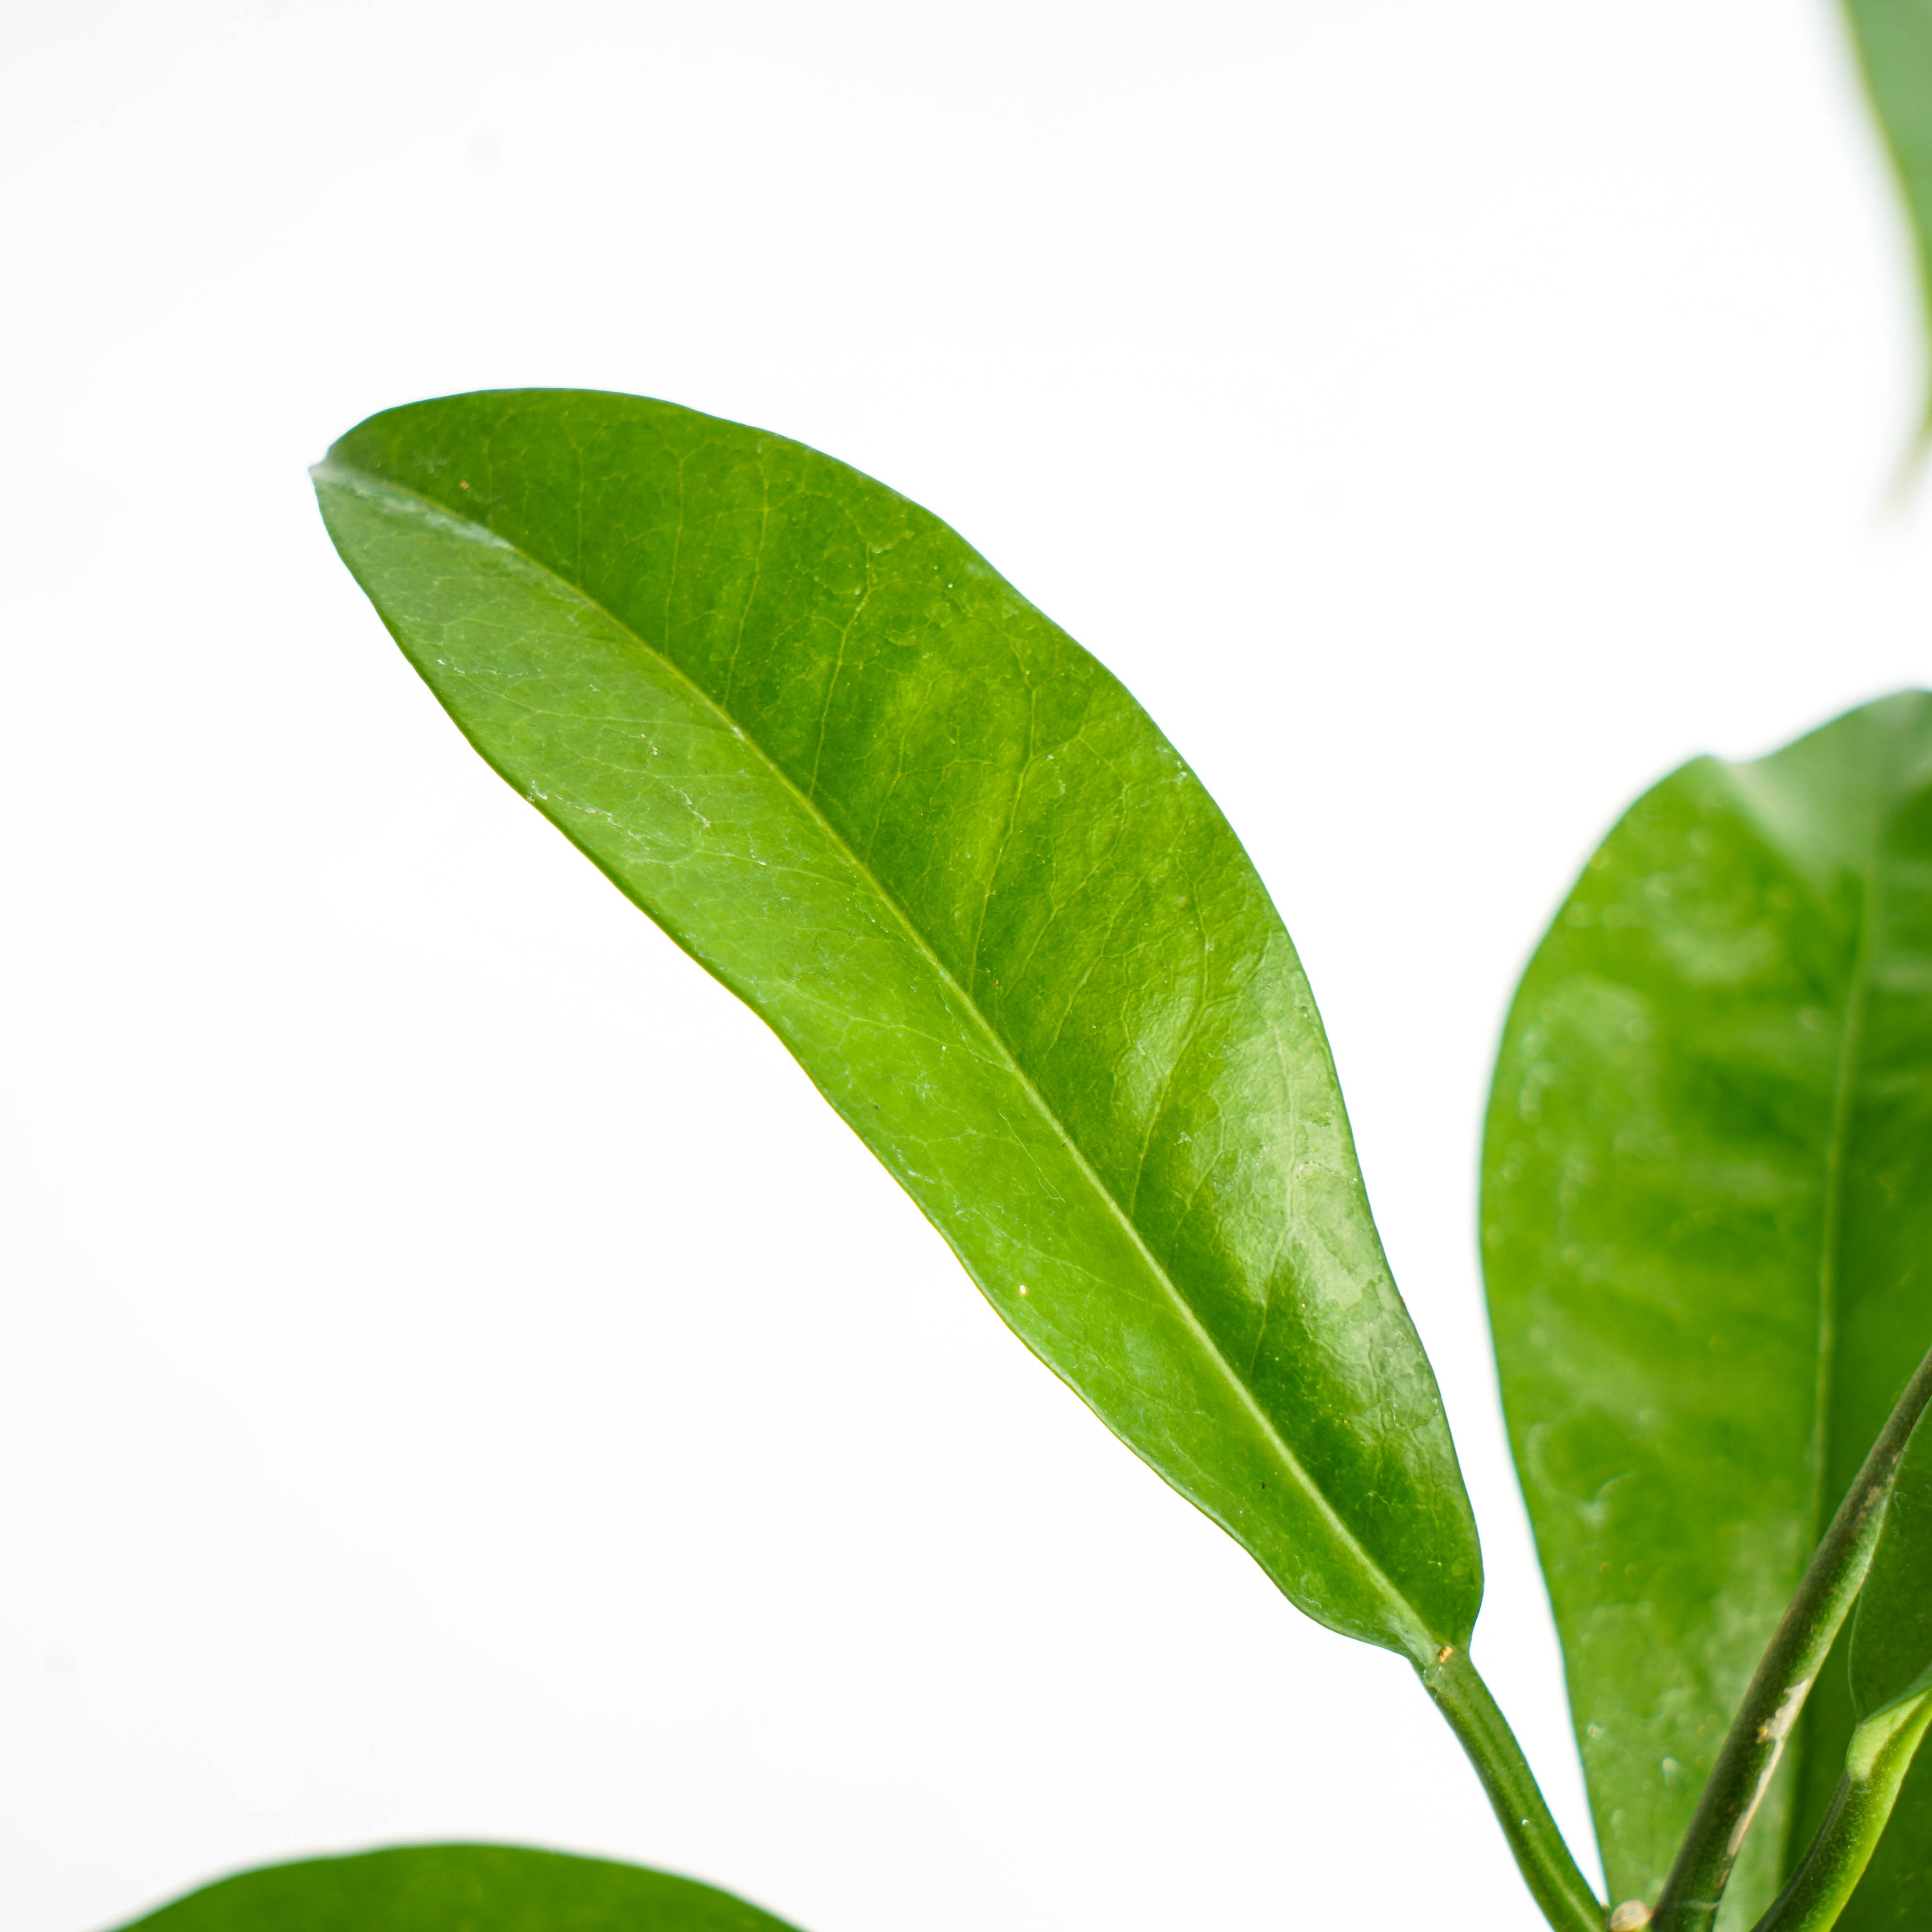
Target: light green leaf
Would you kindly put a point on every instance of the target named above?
(984, 903)
(458, 1888)
(1893, 40)
(1707, 1233)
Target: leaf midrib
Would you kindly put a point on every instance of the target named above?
(1830, 1285)
(1422, 1642)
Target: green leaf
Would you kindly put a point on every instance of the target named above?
(1890, 1661)
(458, 1888)
(1891, 1682)
(1893, 40)
(1891, 1630)
(1707, 1213)
(1762, 1725)
(985, 904)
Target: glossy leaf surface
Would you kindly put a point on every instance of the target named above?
(1894, 39)
(458, 1888)
(985, 904)
(1707, 1218)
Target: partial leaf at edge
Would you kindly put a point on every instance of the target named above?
(1891, 1646)
(1893, 40)
(984, 903)
(1707, 1218)
(1890, 1658)
(457, 1888)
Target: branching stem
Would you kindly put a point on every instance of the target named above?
(1882, 1750)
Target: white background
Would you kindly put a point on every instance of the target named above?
(457, 1379)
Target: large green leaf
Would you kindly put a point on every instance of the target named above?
(985, 904)
(1894, 39)
(458, 1888)
(1707, 1233)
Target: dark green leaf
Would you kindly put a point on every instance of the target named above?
(1890, 1657)
(458, 1888)
(1707, 1216)
(1892, 1632)
(996, 918)
(1893, 38)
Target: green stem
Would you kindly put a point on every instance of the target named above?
(1881, 1753)
(1559, 1888)
(1784, 1679)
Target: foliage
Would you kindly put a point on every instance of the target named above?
(1891, 1679)
(1000, 925)
(1004, 930)
(458, 1888)
(957, 869)
(1893, 42)
(1706, 1184)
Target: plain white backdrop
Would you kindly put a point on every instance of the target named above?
(457, 1380)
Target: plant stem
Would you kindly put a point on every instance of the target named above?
(1882, 1750)
(1559, 1888)
(1784, 1679)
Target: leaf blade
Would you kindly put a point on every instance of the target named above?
(982, 901)
(1893, 41)
(457, 1889)
(1891, 1629)
(1700, 1228)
